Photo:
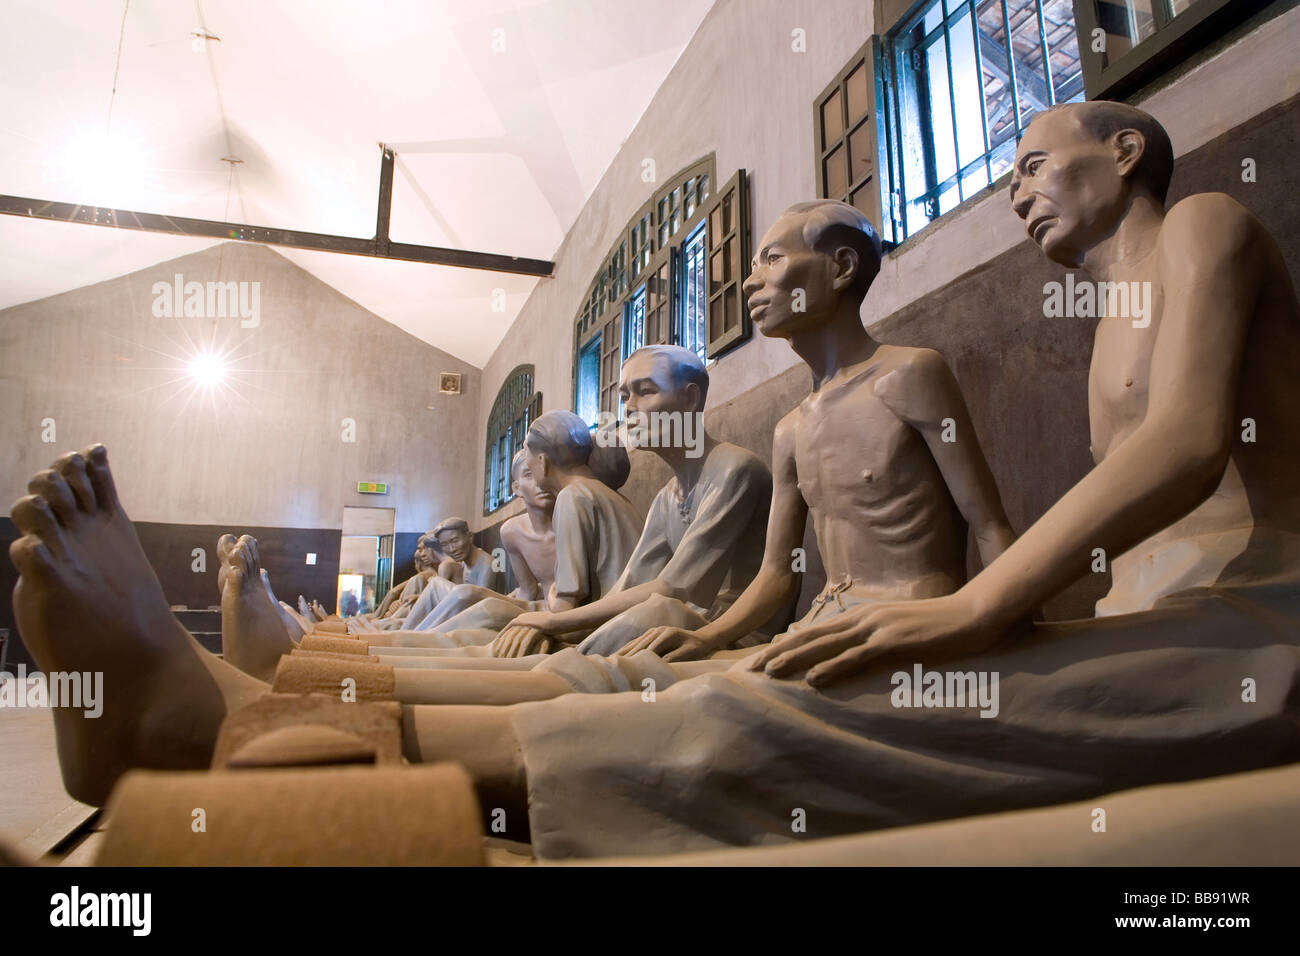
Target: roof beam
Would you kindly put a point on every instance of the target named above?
(380, 247)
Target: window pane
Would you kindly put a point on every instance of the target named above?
(691, 334)
(1027, 48)
(936, 63)
(863, 200)
(832, 119)
(974, 180)
(948, 199)
(861, 157)
(836, 173)
(1127, 23)
(589, 381)
(634, 323)
(997, 86)
(967, 91)
(1063, 50)
(704, 187)
(859, 94)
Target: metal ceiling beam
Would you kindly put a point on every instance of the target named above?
(380, 247)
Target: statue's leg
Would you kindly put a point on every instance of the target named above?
(483, 741)
(87, 601)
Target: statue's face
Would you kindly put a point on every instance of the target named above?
(1067, 187)
(649, 386)
(546, 479)
(454, 544)
(426, 555)
(526, 486)
(790, 288)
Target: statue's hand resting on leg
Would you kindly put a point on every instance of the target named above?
(520, 640)
(670, 643)
(868, 634)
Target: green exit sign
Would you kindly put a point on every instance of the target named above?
(372, 487)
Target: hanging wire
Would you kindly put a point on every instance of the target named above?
(117, 66)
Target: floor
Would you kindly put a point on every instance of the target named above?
(37, 817)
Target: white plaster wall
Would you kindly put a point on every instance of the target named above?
(98, 362)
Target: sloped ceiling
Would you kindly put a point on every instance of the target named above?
(504, 115)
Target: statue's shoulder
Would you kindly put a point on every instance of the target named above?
(732, 459)
(913, 382)
(1211, 219)
(511, 527)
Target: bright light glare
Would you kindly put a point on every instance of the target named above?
(207, 369)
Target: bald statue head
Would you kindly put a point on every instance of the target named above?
(1079, 169)
(815, 264)
(664, 388)
(664, 378)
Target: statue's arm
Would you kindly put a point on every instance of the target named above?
(776, 581)
(1210, 259)
(925, 394)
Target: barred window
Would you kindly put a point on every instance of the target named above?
(924, 118)
(515, 408)
(657, 286)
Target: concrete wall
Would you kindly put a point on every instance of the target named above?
(267, 452)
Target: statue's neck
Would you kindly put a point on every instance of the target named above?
(569, 475)
(541, 519)
(1132, 240)
(687, 468)
(838, 343)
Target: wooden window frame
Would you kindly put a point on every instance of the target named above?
(638, 258)
(1175, 39)
(868, 56)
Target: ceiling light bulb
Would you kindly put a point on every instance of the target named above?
(207, 369)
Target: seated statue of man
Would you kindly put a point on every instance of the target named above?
(464, 562)
(1198, 678)
(703, 538)
(882, 452)
(592, 530)
(426, 561)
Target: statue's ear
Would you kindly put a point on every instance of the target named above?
(1130, 146)
(847, 264)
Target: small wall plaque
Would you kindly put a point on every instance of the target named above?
(449, 383)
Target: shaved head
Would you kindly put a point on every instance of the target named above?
(1102, 119)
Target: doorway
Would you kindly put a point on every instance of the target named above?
(365, 559)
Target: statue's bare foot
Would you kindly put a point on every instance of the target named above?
(253, 637)
(319, 610)
(88, 601)
(359, 625)
(304, 625)
(224, 544)
(305, 609)
(291, 625)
